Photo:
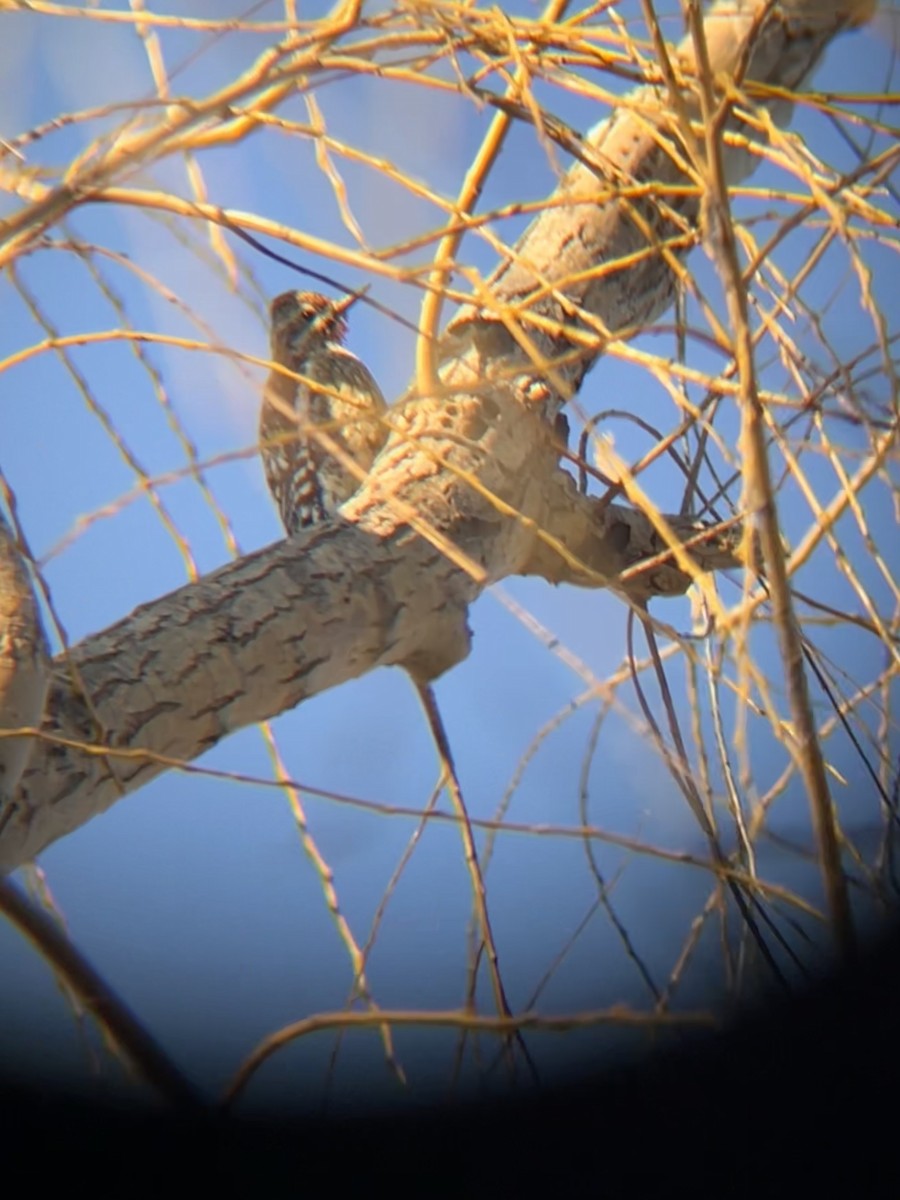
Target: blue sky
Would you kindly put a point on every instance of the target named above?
(194, 896)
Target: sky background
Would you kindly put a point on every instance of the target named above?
(194, 897)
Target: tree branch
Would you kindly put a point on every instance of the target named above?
(24, 665)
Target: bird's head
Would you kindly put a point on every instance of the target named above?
(299, 318)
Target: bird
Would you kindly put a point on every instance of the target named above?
(338, 394)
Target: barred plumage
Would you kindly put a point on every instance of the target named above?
(306, 482)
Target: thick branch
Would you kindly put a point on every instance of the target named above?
(24, 665)
(242, 645)
(246, 643)
(593, 252)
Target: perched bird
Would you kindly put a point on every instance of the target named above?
(338, 395)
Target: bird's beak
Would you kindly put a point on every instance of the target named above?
(340, 306)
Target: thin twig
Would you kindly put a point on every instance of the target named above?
(451, 779)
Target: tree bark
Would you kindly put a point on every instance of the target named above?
(467, 490)
(24, 664)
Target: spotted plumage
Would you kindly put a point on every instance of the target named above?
(337, 395)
